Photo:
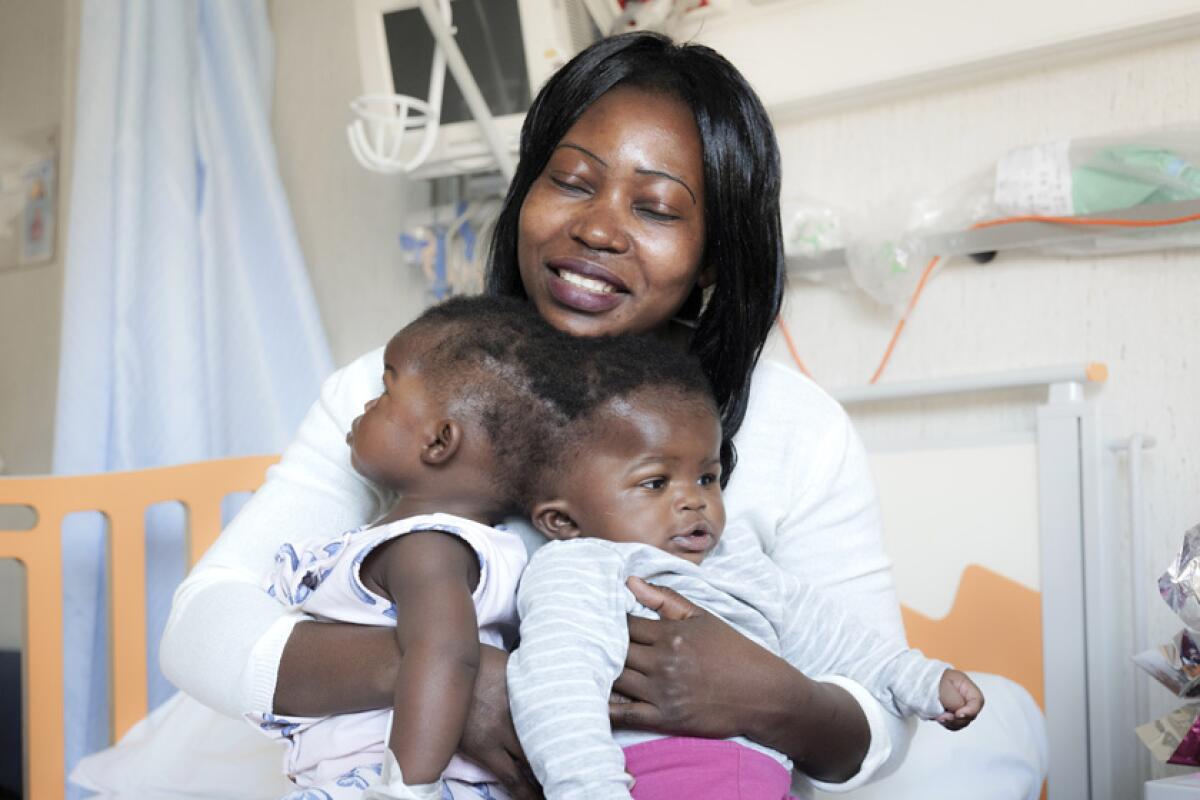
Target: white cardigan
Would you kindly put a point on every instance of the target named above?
(802, 483)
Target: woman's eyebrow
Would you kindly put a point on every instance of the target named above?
(655, 172)
(586, 152)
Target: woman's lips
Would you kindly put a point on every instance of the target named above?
(584, 286)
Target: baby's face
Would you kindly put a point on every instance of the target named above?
(650, 475)
(383, 440)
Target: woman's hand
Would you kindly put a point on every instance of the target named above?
(689, 673)
(489, 738)
(316, 679)
(684, 673)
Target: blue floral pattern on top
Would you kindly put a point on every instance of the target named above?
(298, 572)
(352, 784)
(318, 574)
(361, 777)
(279, 725)
(307, 794)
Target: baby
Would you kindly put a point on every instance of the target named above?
(448, 439)
(636, 492)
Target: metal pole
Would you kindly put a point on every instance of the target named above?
(466, 83)
(1042, 376)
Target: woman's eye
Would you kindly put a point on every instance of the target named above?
(658, 215)
(653, 483)
(569, 185)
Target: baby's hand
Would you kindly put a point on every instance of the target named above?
(961, 698)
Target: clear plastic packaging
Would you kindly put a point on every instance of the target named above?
(887, 247)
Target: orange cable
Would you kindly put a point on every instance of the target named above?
(791, 345)
(912, 303)
(1092, 222)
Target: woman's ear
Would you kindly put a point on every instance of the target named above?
(553, 520)
(441, 443)
(707, 277)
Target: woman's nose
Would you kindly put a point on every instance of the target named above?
(600, 225)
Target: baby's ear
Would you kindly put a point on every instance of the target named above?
(553, 520)
(441, 442)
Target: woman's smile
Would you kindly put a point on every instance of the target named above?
(584, 285)
(612, 231)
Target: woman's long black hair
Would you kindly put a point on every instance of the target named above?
(741, 189)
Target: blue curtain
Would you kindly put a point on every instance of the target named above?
(190, 330)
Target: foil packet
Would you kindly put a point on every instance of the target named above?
(1180, 584)
(1174, 664)
(1175, 738)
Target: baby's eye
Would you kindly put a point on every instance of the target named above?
(708, 479)
(653, 484)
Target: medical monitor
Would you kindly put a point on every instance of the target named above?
(511, 47)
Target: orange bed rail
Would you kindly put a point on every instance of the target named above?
(122, 497)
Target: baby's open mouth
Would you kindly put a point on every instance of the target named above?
(697, 540)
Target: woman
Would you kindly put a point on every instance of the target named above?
(646, 200)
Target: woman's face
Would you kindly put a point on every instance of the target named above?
(611, 236)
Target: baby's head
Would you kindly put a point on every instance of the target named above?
(636, 453)
(456, 417)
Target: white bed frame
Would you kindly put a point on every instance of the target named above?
(1089, 697)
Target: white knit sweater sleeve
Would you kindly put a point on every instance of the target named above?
(574, 638)
(804, 486)
(225, 635)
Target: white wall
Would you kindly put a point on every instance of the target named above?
(32, 74)
(1136, 313)
(348, 220)
(37, 47)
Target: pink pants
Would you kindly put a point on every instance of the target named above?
(666, 769)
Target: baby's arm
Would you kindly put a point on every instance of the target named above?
(819, 637)
(573, 644)
(429, 576)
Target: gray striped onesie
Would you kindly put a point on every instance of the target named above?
(572, 603)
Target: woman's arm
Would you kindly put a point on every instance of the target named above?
(826, 528)
(225, 635)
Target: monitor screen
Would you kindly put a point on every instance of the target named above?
(489, 35)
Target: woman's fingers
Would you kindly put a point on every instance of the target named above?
(640, 657)
(642, 716)
(633, 685)
(667, 602)
(514, 775)
(643, 631)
